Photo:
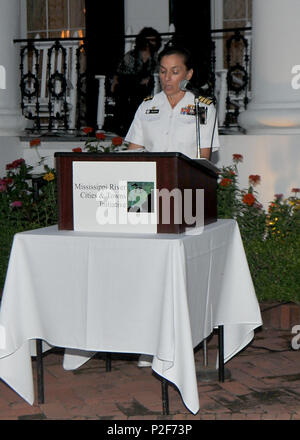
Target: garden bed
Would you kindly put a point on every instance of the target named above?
(271, 239)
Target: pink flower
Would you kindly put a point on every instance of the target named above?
(278, 196)
(257, 205)
(15, 164)
(2, 187)
(7, 181)
(16, 204)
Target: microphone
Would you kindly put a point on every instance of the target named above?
(185, 85)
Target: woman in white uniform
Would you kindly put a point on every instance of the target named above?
(166, 122)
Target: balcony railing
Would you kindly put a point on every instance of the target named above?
(54, 76)
(231, 73)
(52, 82)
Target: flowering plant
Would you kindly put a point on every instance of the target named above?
(20, 203)
(271, 239)
(34, 144)
(243, 205)
(93, 143)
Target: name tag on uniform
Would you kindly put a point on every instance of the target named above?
(151, 111)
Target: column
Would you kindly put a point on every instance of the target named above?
(11, 119)
(275, 103)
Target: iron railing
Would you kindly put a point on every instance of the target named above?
(54, 79)
(51, 82)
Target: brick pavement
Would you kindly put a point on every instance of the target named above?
(264, 384)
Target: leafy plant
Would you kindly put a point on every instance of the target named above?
(22, 207)
(271, 239)
(94, 144)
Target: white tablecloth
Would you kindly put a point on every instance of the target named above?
(159, 294)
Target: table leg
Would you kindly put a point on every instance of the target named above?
(221, 353)
(40, 370)
(165, 396)
(205, 352)
(108, 362)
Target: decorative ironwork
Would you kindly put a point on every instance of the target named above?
(81, 74)
(58, 107)
(52, 85)
(29, 84)
(237, 78)
(46, 81)
(49, 82)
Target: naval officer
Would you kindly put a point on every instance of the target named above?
(166, 122)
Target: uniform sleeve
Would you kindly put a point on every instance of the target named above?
(209, 132)
(135, 133)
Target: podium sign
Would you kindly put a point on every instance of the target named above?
(114, 196)
(135, 192)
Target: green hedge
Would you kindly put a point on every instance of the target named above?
(274, 268)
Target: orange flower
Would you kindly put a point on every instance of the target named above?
(249, 199)
(237, 158)
(225, 182)
(87, 130)
(77, 150)
(117, 141)
(254, 179)
(35, 142)
(100, 136)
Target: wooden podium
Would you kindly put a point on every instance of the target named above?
(173, 170)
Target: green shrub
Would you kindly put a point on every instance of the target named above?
(274, 268)
(271, 239)
(21, 208)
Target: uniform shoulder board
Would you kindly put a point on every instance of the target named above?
(148, 98)
(205, 100)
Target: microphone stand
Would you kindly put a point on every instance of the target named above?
(197, 114)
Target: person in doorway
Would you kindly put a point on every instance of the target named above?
(166, 121)
(134, 78)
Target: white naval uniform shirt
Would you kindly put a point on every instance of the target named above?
(160, 128)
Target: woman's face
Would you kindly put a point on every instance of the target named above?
(172, 71)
